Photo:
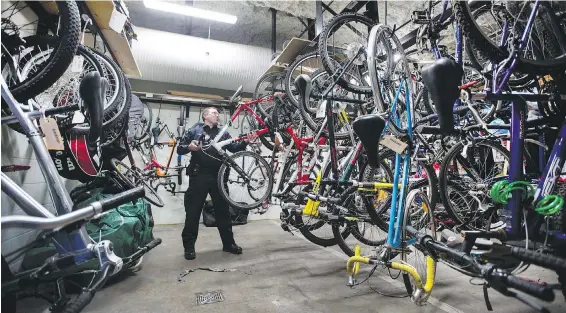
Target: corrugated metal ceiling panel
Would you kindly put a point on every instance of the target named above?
(175, 58)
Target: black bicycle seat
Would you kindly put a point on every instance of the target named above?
(93, 93)
(304, 86)
(369, 129)
(443, 79)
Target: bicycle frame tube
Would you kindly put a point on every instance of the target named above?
(518, 114)
(243, 106)
(61, 199)
(554, 166)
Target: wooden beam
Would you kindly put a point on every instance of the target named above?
(196, 95)
(101, 12)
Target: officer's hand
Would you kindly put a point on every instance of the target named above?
(194, 146)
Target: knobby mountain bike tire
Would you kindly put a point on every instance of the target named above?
(68, 40)
(480, 42)
(56, 94)
(262, 168)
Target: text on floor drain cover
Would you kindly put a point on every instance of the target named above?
(209, 297)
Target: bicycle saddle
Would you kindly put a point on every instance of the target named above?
(443, 79)
(304, 86)
(93, 92)
(236, 94)
(369, 129)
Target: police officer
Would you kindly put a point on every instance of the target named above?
(203, 173)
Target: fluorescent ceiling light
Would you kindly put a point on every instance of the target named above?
(190, 11)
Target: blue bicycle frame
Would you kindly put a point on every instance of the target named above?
(394, 233)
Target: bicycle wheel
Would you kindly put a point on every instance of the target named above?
(466, 175)
(418, 214)
(268, 85)
(314, 112)
(303, 64)
(15, 44)
(365, 233)
(339, 43)
(245, 180)
(119, 96)
(64, 92)
(543, 55)
(142, 127)
(133, 178)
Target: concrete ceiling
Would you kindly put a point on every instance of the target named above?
(254, 19)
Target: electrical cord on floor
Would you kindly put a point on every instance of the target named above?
(375, 290)
(210, 269)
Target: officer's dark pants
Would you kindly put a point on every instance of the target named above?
(200, 186)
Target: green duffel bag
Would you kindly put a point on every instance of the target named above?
(128, 227)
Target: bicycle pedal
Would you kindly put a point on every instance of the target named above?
(420, 17)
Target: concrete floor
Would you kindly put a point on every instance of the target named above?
(277, 272)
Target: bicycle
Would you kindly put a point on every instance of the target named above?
(67, 229)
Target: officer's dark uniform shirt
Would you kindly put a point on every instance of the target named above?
(206, 159)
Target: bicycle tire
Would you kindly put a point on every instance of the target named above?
(444, 182)
(150, 194)
(277, 79)
(313, 125)
(145, 131)
(353, 228)
(113, 117)
(64, 121)
(474, 57)
(60, 59)
(223, 185)
(407, 279)
(290, 75)
(328, 62)
(478, 41)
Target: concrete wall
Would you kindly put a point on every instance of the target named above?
(16, 150)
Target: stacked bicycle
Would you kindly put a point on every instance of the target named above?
(462, 122)
(72, 103)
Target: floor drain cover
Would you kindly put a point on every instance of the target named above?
(209, 297)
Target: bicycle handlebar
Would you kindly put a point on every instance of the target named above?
(544, 260)
(78, 215)
(499, 279)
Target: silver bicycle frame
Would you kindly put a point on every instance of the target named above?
(59, 195)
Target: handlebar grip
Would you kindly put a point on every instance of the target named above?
(121, 198)
(532, 288)
(79, 303)
(544, 260)
(93, 93)
(154, 243)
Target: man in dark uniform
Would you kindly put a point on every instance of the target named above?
(203, 173)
